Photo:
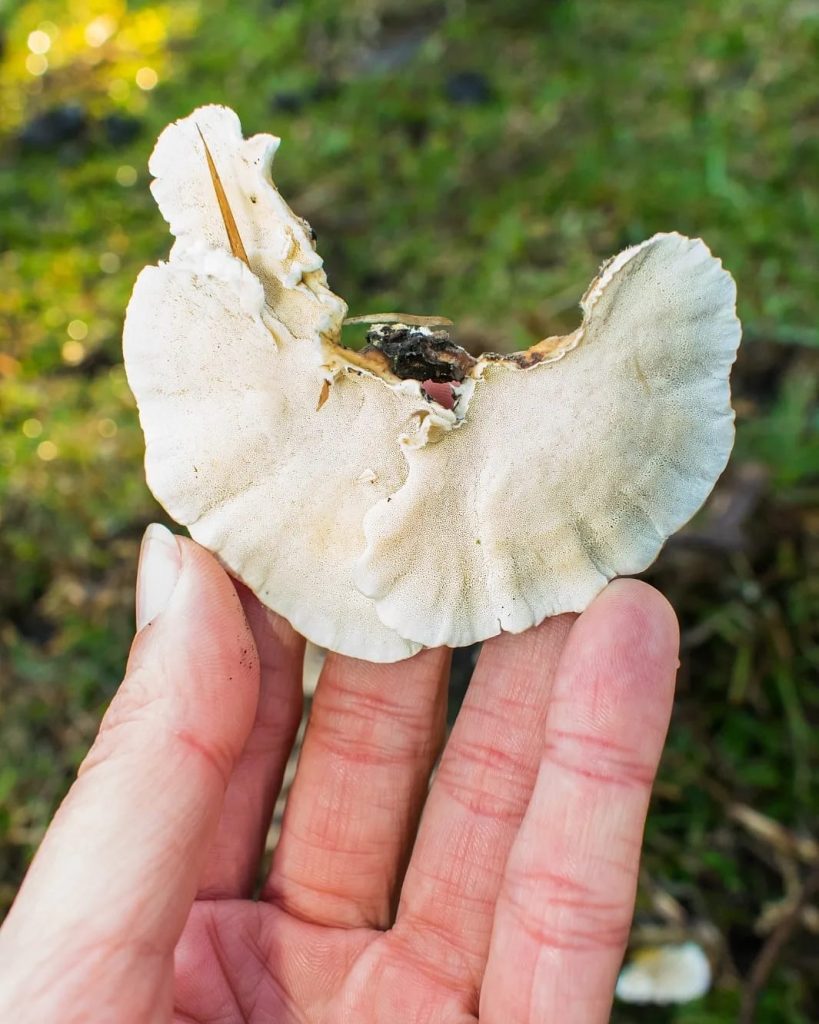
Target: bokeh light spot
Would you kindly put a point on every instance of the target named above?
(100, 30)
(47, 450)
(32, 428)
(110, 262)
(73, 352)
(77, 329)
(36, 64)
(126, 175)
(146, 78)
(39, 41)
(106, 428)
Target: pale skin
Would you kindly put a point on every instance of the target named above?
(502, 891)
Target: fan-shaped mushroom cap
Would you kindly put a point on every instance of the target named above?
(228, 386)
(236, 451)
(373, 518)
(571, 471)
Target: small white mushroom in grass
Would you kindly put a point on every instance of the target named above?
(665, 974)
(411, 495)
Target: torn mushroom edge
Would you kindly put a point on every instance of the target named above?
(433, 420)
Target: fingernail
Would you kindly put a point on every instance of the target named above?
(160, 563)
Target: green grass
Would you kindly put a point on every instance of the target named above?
(593, 126)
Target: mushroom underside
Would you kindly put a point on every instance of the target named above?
(411, 494)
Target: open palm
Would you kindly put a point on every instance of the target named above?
(503, 891)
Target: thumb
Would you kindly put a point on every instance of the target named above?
(108, 893)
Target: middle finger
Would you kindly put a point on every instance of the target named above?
(373, 736)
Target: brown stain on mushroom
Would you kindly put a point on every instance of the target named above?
(641, 377)
(321, 533)
(546, 351)
(293, 247)
(370, 360)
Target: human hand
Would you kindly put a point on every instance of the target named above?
(510, 902)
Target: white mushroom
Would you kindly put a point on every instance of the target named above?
(665, 974)
(372, 517)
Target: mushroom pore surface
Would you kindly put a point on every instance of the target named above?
(411, 494)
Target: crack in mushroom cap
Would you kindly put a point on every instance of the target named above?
(372, 518)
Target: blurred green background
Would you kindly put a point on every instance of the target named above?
(476, 160)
